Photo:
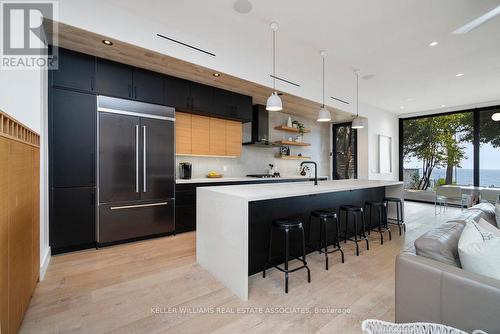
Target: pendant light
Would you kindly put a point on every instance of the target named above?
(274, 101)
(357, 123)
(323, 114)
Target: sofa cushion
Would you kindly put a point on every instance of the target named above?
(479, 248)
(488, 211)
(441, 243)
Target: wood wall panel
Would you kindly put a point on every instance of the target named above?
(200, 134)
(217, 140)
(233, 138)
(4, 231)
(183, 133)
(19, 221)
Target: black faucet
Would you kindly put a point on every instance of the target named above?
(315, 170)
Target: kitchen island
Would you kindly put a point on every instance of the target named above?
(233, 222)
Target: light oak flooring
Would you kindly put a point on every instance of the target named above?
(143, 287)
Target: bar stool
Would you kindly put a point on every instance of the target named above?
(399, 212)
(286, 225)
(326, 217)
(382, 219)
(354, 211)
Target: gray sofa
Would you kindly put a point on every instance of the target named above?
(431, 286)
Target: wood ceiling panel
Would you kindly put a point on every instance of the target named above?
(90, 43)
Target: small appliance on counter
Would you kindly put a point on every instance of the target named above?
(185, 169)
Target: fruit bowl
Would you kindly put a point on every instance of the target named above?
(214, 175)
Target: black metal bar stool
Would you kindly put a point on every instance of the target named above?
(325, 218)
(382, 219)
(354, 211)
(399, 212)
(287, 225)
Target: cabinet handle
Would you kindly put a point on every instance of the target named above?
(137, 158)
(144, 155)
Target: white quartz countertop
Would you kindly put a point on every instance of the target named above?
(241, 179)
(255, 192)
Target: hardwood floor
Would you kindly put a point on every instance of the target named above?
(145, 287)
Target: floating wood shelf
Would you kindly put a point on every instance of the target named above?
(289, 129)
(291, 143)
(292, 157)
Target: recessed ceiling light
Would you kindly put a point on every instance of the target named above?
(402, 107)
(433, 43)
(443, 105)
(496, 117)
(216, 74)
(107, 42)
(459, 75)
(242, 6)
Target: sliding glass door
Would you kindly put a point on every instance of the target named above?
(459, 148)
(489, 150)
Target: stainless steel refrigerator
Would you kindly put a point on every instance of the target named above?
(136, 173)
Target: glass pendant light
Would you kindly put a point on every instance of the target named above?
(323, 114)
(274, 101)
(357, 123)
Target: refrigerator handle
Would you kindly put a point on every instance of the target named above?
(144, 155)
(137, 158)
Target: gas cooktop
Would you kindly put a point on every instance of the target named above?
(264, 176)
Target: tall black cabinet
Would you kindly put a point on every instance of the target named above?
(72, 117)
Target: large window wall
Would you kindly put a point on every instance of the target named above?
(459, 148)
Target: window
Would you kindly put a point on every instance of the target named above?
(459, 148)
(345, 162)
(489, 149)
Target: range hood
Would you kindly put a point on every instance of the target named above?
(257, 131)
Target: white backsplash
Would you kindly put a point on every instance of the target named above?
(255, 160)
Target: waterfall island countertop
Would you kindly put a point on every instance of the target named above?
(233, 222)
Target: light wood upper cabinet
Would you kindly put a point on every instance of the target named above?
(217, 136)
(183, 133)
(233, 138)
(202, 135)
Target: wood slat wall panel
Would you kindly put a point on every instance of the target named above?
(4, 240)
(19, 220)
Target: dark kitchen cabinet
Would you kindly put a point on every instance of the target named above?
(233, 105)
(75, 71)
(176, 93)
(72, 223)
(185, 208)
(148, 86)
(202, 98)
(114, 79)
(72, 117)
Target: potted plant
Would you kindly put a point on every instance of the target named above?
(300, 127)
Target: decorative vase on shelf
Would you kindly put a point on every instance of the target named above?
(298, 139)
(289, 122)
(294, 126)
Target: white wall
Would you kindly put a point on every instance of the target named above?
(379, 122)
(24, 97)
(255, 160)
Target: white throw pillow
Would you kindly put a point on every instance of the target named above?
(497, 213)
(479, 248)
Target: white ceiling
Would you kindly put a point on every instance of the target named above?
(386, 38)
